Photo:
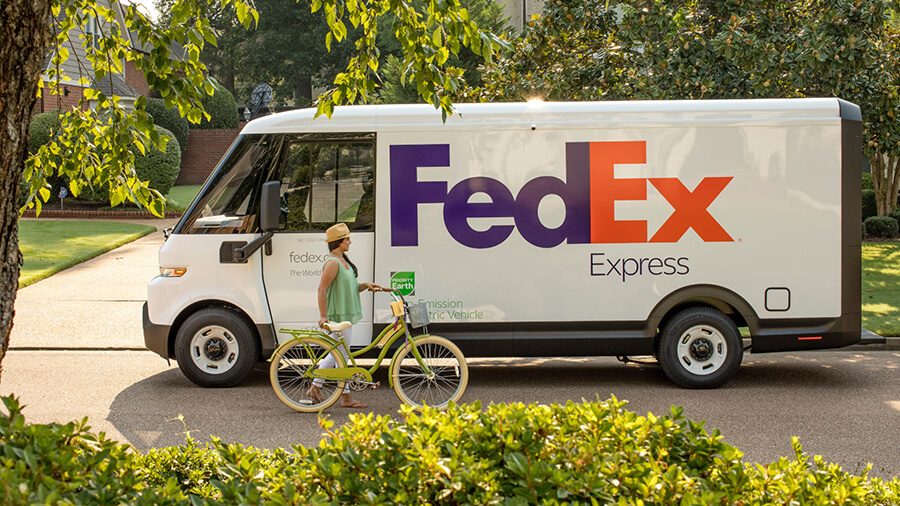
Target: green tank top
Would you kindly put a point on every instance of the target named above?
(342, 297)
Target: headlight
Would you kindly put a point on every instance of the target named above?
(172, 272)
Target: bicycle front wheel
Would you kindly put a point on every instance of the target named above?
(446, 382)
(288, 374)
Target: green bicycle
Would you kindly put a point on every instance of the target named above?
(425, 370)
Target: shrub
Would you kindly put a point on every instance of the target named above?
(882, 226)
(169, 119)
(867, 183)
(869, 205)
(66, 464)
(221, 108)
(159, 169)
(896, 213)
(42, 128)
(864, 230)
(503, 454)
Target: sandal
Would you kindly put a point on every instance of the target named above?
(354, 405)
(314, 394)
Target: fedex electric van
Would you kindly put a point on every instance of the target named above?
(531, 229)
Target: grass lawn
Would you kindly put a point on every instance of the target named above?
(51, 246)
(881, 287)
(180, 197)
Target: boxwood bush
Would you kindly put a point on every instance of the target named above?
(159, 169)
(588, 453)
(222, 109)
(42, 128)
(169, 119)
(882, 226)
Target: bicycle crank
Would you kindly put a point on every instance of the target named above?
(358, 382)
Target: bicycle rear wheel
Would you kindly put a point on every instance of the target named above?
(290, 382)
(448, 380)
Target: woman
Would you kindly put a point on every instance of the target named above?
(338, 297)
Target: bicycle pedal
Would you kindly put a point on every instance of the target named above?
(376, 385)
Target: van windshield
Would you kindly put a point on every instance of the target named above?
(228, 203)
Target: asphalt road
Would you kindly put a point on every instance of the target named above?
(843, 405)
(77, 352)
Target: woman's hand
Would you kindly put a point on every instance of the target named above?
(372, 287)
(322, 322)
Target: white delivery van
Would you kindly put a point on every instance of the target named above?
(531, 229)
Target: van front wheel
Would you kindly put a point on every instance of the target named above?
(700, 348)
(215, 348)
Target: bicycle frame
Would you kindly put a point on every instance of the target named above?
(385, 339)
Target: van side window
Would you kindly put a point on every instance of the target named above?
(326, 182)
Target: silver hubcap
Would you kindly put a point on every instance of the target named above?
(702, 350)
(214, 350)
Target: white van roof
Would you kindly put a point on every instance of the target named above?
(559, 115)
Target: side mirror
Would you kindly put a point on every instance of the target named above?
(270, 206)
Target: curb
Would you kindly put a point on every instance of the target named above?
(131, 215)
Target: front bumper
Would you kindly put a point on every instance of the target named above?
(156, 337)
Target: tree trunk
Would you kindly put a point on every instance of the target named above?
(24, 41)
(886, 181)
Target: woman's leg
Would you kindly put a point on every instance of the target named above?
(330, 362)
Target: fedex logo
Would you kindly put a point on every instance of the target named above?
(589, 193)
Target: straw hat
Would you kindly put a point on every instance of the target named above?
(337, 232)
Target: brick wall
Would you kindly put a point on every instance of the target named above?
(49, 102)
(204, 150)
(136, 79)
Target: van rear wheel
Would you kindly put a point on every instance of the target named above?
(215, 348)
(700, 348)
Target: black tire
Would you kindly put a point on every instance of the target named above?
(215, 348)
(700, 348)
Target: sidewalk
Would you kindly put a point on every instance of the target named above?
(95, 304)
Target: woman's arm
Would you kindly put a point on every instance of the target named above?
(372, 287)
(329, 272)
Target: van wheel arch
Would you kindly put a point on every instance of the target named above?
(711, 296)
(198, 306)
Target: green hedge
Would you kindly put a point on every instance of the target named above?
(169, 119)
(222, 109)
(503, 454)
(159, 169)
(882, 226)
(41, 129)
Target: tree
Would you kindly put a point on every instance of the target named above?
(29, 31)
(488, 14)
(698, 49)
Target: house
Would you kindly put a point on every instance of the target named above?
(79, 72)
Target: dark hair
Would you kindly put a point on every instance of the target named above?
(333, 245)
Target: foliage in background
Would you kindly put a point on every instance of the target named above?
(109, 128)
(52, 246)
(428, 38)
(221, 108)
(584, 453)
(157, 169)
(685, 49)
(170, 120)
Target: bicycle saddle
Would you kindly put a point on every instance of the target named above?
(336, 327)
